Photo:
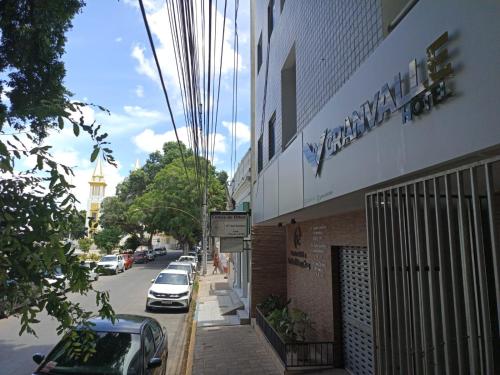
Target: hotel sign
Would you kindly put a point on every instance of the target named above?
(422, 95)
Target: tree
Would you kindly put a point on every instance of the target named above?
(36, 200)
(85, 244)
(176, 198)
(107, 239)
(76, 226)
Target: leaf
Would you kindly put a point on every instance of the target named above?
(94, 154)
(39, 162)
(61, 122)
(76, 129)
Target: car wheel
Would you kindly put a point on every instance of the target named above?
(96, 277)
(116, 271)
(148, 309)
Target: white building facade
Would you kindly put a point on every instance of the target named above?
(240, 193)
(376, 178)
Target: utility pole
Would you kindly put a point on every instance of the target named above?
(204, 241)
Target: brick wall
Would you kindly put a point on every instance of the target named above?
(268, 263)
(331, 37)
(311, 289)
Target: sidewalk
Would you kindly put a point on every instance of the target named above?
(222, 346)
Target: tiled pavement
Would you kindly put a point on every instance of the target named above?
(222, 347)
(228, 350)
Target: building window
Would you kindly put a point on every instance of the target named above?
(270, 19)
(259, 54)
(288, 99)
(271, 136)
(259, 154)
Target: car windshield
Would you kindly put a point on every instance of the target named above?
(172, 279)
(108, 258)
(116, 353)
(186, 259)
(185, 267)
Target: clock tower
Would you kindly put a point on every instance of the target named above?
(96, 195)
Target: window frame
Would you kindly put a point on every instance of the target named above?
(270, 18)
(260, 53)
(271, 146)
(260, 152)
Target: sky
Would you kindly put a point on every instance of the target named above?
(109, 62)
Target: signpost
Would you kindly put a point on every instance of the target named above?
(231, 245)
(228, 224)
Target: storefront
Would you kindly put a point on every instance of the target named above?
(388, 201)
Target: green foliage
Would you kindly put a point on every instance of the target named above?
(38, 207)
(273, 302)
(75, 227)
(107, 239)
(85, 244)
(160, 197)
(132, 242)
(292, 324)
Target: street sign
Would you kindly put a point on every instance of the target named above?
(231, 245)
(228, 224)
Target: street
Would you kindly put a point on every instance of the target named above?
(128, 295)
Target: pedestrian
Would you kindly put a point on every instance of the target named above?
(216, 264)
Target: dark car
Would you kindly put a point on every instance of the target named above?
(133, 345)
(140, 257)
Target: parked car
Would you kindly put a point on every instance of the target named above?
(133, 345)
(140, 257)
(128, 260)
(188, 267)
(151, 254)
(92, 269)
(56, 276)
(111, 264)
(190, 259)
(158, 251)
(170, 289)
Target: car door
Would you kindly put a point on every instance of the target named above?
(161, 343)
(153, 349)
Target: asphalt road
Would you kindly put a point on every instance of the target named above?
(128, 295)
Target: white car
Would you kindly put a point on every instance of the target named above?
(190, 259)
(186, 266)
(92, 267)
(111, 263)
(170, 289)
(56, 276)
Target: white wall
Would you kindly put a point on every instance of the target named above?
(466, 123)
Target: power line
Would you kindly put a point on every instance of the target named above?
(146, 24)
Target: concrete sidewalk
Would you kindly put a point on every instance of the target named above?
(222, 346)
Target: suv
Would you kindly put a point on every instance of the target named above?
(111, 263)
(171, 289)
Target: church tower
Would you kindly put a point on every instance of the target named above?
(96, 195)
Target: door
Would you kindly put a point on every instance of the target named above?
(356, 310)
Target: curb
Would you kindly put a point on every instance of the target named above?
(190, 358)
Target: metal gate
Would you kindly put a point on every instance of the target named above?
(356, 310)
(435, 268)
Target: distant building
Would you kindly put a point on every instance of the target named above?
(96, 195)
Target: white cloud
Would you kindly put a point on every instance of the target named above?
(160, 27)
(146, 66)
(139, 91)
(148, 141)
(118, 39)
(242, 131)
